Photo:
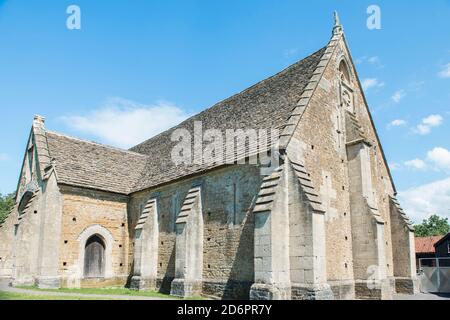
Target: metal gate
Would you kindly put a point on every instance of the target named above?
(434, 275)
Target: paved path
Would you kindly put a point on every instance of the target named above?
(4, 286)
(423, 296)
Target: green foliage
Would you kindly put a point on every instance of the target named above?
(434, 226)
(117, 292)
(6, 205)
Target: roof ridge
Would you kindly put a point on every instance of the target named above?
(444, 237)
(96, 144)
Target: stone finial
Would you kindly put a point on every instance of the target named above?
(39, 121)
(337, 29)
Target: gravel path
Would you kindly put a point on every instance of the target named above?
(4, 286)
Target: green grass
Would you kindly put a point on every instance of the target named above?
(23, 296)
(117, 291)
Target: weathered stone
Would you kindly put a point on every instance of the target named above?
(324, 225)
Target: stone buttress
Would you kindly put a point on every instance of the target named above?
(289, 238)
(402, 231)
(146, 248)
(189, 247)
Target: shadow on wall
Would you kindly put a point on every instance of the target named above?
(166, 282)
(237, 286)
(244, 260)
(130, 276)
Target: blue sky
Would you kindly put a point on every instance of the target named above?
(134, 59)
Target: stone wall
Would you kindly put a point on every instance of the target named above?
(319, 143)
(334, 249)
(85, 209)
(25, 251)
(228, 228)
(6, 242)
(316, 144)
(404, 251)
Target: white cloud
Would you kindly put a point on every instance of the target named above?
(371, 83)
(423, 130)
(428, 123)
(373, 60)
(397, 123)
(445, 72)
(437, 159)
(417, 164)
(440, 157)
(290, 52)
(125, 123)
(398, 96)
(394, 166)
(433, 120)
(4, 157)
(421, 202)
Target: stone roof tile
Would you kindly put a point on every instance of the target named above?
(92, 165)
(266, 105)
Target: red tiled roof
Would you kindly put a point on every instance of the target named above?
(426, 244)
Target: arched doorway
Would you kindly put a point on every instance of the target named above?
(94, 257)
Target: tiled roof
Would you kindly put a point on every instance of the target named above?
(92, 165)
(426, 244)
(266, 105)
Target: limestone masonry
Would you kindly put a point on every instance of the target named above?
(325, 224)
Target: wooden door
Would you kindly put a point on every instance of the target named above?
(94, 258)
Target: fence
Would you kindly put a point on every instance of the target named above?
(434, 275)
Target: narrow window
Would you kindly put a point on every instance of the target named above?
(344, 72)
(234, 204)
(174, 213)
(16, 229)
(30, 161)
(339, 130)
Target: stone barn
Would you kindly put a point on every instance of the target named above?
(319, 220)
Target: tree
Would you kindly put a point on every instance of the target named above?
(434, 226)
(6, 205)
